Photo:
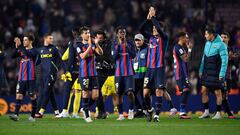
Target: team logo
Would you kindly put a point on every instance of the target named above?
(116, 85)
(3, 107)
(86, 82)
(41, 51)
(180, 51)
(50, 50)
(17, 88)
(187, 81)
(146, 80)
(142, 56)
(78, 50)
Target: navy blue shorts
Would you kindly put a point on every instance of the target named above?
(155, 78)
(183, 83)
(26, 87)
(124, 84)
(88, 83)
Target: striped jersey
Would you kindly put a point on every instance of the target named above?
(156, 52)
(27, 64)
(180, 67)
(87, 66)
(123, 55)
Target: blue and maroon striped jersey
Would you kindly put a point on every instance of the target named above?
(123, 55)
(27, 63)
(180, 67)
(87, 66)
(156, 52)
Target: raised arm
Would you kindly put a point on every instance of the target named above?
(143, 29)
(158, 27)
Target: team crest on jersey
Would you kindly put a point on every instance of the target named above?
(41, 51)
(78, 49)
(17, 87)
(142, 56)
(180, 51)
(116, 85)
(50, 50)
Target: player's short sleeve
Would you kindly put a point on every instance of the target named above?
(79, 50)
(179, 51)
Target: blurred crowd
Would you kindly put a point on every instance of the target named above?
(60, 16)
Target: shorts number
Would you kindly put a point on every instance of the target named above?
(146, 81)
(116, 85)
(85, 82)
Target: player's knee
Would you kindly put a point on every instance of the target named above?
(218, 94)
(159, 92)
(33, 96)
(186, 89)
(85, 94)
(95, 96)
(19, 96)
(130, 93)
(204, 90)
(146, 92)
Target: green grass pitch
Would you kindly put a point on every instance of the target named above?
(110, 126)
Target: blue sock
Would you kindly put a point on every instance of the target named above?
(85, 106)
(66, 94)
(34, 107)
(91, 102)
(148, 103)
(184, 97)
(158, 104)
(183, 108)
(120, 108)
(18, 105)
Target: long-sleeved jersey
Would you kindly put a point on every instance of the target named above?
(71, 57)
(50, 60)
(123, 55)
(26, 63)
(157, 46)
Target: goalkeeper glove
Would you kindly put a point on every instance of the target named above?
(63, 77)
(68, 76)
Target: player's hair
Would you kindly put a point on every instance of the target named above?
(179, 35)
(210, 29)
(47, 34)
(154, 6)
(226, 33)
(75, 30)
(100, 32)
(30, 36)
(82, 29)
(120, 27)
